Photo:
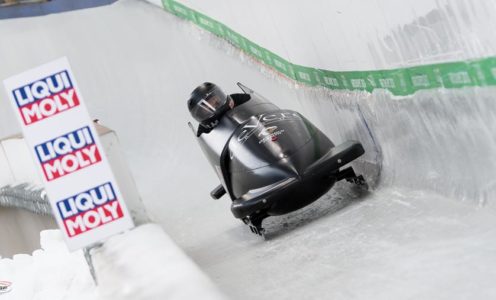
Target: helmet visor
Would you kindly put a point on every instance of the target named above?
(207, 108)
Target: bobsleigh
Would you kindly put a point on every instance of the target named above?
(272, 161)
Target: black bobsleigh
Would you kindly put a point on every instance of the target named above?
(270, 161)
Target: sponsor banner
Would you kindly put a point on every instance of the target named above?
(83, 193)
(401, 81)
(486, 70)
(45, 97)
(332, 80)
(89, 209)
(208, 24)
(305, 75)
(235, 38)
(68, 153)
(457, 75)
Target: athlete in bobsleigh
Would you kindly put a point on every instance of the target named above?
(270, 161)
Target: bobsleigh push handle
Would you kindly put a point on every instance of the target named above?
(192, 128)
(244, 88)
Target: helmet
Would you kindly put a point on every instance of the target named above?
(207, 104)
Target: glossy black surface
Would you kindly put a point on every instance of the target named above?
(272, 161)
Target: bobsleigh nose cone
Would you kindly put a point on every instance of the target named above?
(296, 164)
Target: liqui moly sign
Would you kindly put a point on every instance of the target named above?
(68, 153)
(45, 97)
(78, 179)
(89, 209)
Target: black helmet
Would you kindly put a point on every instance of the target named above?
(207, 104)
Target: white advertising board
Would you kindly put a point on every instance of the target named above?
(83, 193)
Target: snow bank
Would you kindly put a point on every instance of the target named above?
(141, 264)
(146, 264)
(51, 273)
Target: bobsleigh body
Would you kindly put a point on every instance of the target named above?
(272, 161)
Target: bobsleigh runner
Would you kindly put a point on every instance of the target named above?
(270, 161)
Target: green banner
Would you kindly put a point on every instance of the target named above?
(403, 81)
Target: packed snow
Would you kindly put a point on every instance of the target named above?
(143, 263)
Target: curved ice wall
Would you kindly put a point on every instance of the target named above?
(437, 137)
(136, 64)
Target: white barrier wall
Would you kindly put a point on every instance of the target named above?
(21, 230)
(5, 171)
(17, 162)
(342, 35)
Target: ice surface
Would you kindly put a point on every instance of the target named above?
(145, 263)
(393, 244)
(426, 231)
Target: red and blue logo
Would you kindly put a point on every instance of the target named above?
(89, 209)
(46, 97)
(68, 153)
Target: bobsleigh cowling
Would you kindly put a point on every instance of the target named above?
(272, 161)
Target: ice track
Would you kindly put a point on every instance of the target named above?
(426, 231)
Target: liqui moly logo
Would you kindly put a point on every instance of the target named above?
(46, 97)
(89, 210)
(68, 153)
